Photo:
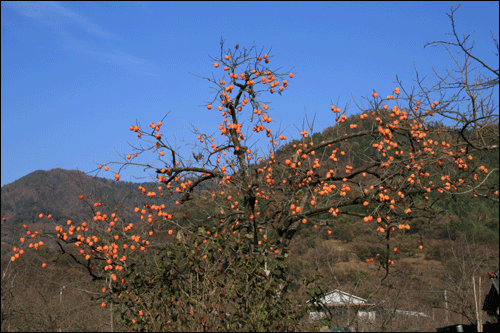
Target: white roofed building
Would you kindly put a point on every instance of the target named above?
(339, 301)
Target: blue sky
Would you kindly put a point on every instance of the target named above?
(76, 75)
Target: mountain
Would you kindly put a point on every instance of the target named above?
(57, 192)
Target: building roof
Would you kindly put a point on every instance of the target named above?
(340, 298)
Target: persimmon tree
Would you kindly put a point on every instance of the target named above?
(219, 221)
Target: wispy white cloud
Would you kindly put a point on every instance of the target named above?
(63, 21)
(124, 59)
(54, 14)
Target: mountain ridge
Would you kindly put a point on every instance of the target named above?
(57, 192)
